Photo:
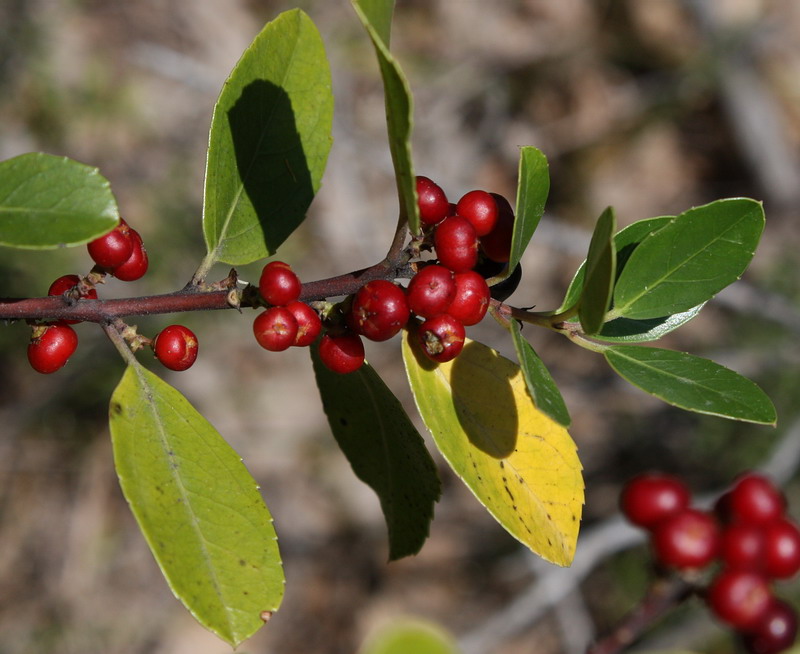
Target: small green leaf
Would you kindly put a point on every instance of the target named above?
(532, 190)
(269, 142)
(410, 636)
(197, 506)
(48, 202)
(386, 451)
(601, 265)
(376, 16)
(541, 386)
(692, 383)
(689, 260)
(627, 330)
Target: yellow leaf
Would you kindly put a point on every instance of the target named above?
(520, 464)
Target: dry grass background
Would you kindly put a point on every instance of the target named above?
(648, 105)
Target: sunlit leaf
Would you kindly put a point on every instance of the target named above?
(410, 636)
(532, 190)
(598, 284)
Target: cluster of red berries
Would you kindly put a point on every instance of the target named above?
(748, 535)
(119, 253)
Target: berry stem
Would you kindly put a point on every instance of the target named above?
(116, 338)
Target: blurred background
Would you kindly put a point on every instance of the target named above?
(652, 106)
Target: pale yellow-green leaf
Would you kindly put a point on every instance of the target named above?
(520, 464)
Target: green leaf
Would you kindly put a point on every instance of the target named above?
(385, 450)
(269, 142)
(197, 506)
(532, 190)
(689, 260)
(376, 16)
(520, 463)
(601, 265)
(48, 202)
(692, 383)
(410, 636)
(540, 384)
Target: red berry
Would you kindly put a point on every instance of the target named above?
(775, 632)
(66, 283)
(739, 598)
(309, 324)
(275, 329)
(442, 337)
(781, 549)
(379, 310)
(136, 265)
(431, 291)
(278, 284)
(51, 346)
(176, 347)
(480, 208)
(432, 201)
(755, 499)
(112, 249)
(742, 547)
(471, 298)
(688, 539)
(649, 498)
(343, 353)
(496, 245)
(456, 244)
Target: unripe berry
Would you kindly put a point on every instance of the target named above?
(686, 540)
(112, 249)
(742, 547)
(379, 310)
(480, 208)
(51, 346)
(441, 337)
(431, 291)
(755, 499)
(649, 498)
(739, 598)
(176, 347)
(309, 324)
(781, 549)
(343, 353)
(66, 283)
(136, 265)
(275, 329)
(432, 201)
(497, 244)
(278, 284)
(471, 298)
(775, 632)
(456, 244)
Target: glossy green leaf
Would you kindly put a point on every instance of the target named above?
(520, 463)
(692, 383)
(376, 16)
(410, 636)
(197, 506)
(269, 142)
(601, 265)
(689, 260)
(48, 202)
(385, 450)
(540, 384)
(532, 190)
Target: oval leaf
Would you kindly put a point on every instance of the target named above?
(627, 330)
(376, 16)
(197, 506)
(691, 259)
(386, 451)
(541, 386)
(48, 202)
(410, 636)
(692, 383)
(520, 464)
(269, 142)
(532, 190)
(598, 284)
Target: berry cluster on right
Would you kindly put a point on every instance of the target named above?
(748, 536)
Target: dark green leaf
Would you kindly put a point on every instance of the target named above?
(540, 384)
(386, 451)
(692, 383)
(689, 260)
(197, 506)
(269, 142)
(48, 202)
(376, 16)
(626, 330)
(532, 190)
(598, 285)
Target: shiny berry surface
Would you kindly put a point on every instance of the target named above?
(112, 249)
(755, 499)
(441, 337)
(51, 346)
(176, 347)
(431, 290)
(343, 353)
(480, 209)
(379, 310)
(136, 265)
(309, 324)
(496, 245)
(278, 284)
(685, 540)
(649, 498)
(739, 598)
(275, 329)
(781, 549)
(432, 201)
(775, 632)
(742, 547)
(471, 299)
(456, 244)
